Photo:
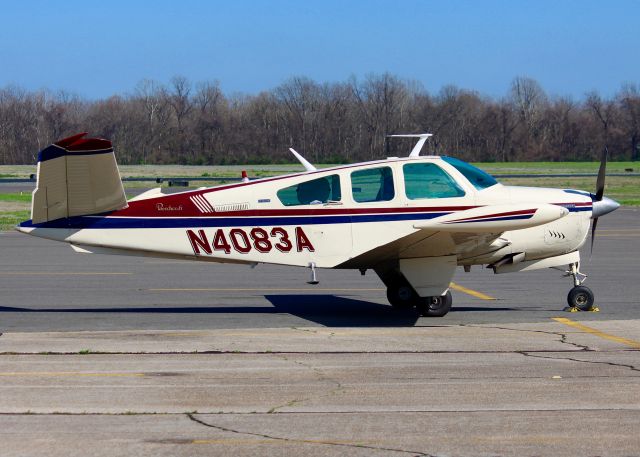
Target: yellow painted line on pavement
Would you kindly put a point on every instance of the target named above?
(276, 441)
(237, 441)
(262, 289)
(596, 332)
(473, 293)
(618, 235)
(70, 373)
(59, 273)
(636, 230)
(454, 286)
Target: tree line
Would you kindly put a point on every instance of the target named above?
(185, 123)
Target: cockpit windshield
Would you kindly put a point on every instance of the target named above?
(477, 177)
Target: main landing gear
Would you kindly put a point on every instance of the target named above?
(402, 297)
(580, 297)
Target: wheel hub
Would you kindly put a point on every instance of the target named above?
(404, 294)
(435, 303)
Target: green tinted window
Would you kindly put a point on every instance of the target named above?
(427, 180)
(372, 185)
(477, 177)
(312, 192)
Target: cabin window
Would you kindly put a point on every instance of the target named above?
(428, 180)
(477, 177)
(314, 192)
(372, 185)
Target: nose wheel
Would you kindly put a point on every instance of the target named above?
(580, 297)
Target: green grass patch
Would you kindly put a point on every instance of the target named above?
(16, 197)
(625, 190)
(9, 219)
(555, 167)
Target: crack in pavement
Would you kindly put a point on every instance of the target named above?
(303, 441)
(613, 364)
(563, 336)
(320, 377)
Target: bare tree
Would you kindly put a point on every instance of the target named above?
(629, 99)
(604, 111)
(336, 122)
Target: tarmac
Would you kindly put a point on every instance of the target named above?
(104, 355)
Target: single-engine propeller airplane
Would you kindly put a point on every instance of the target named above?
(413, 220)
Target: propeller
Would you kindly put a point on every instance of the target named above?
(601, 204)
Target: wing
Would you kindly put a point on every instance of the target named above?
(428, 257)
(473, 230)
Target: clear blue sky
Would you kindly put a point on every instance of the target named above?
(99, 48)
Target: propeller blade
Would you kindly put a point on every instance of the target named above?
(593, 234)
(601, 175)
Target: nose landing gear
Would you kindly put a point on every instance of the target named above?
(580, 297)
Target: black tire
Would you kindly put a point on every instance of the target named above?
(436, 306)
(402, 296)
(581, 297)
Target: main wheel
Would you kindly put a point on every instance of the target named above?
(581, 297)
(436, 306)
(402, 295)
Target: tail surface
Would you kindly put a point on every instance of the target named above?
(77, 176)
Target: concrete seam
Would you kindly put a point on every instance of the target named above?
(563, 336)
(613, 364)
(303, 441)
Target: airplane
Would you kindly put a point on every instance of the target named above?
(412, 220)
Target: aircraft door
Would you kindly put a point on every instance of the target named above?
(333, 233)
(326, 221)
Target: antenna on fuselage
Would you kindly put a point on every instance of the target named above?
(307, 166)
(415, 152)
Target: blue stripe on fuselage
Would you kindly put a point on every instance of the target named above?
(84, 222)
(94, 222)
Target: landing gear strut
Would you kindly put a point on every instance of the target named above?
(580, 297)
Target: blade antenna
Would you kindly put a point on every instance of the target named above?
(423, 137)
(307, 166)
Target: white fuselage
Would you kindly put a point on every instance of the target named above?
(249, 223)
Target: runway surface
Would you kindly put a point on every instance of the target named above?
(47, 287)
(104, 355)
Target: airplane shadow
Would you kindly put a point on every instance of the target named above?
(326, 310)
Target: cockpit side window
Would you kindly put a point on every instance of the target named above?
(478, 178)
(314, 192)
(428, 180)
(372, 185)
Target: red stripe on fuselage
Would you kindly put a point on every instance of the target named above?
(490, 216)
(170, 203)
(190, 210)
